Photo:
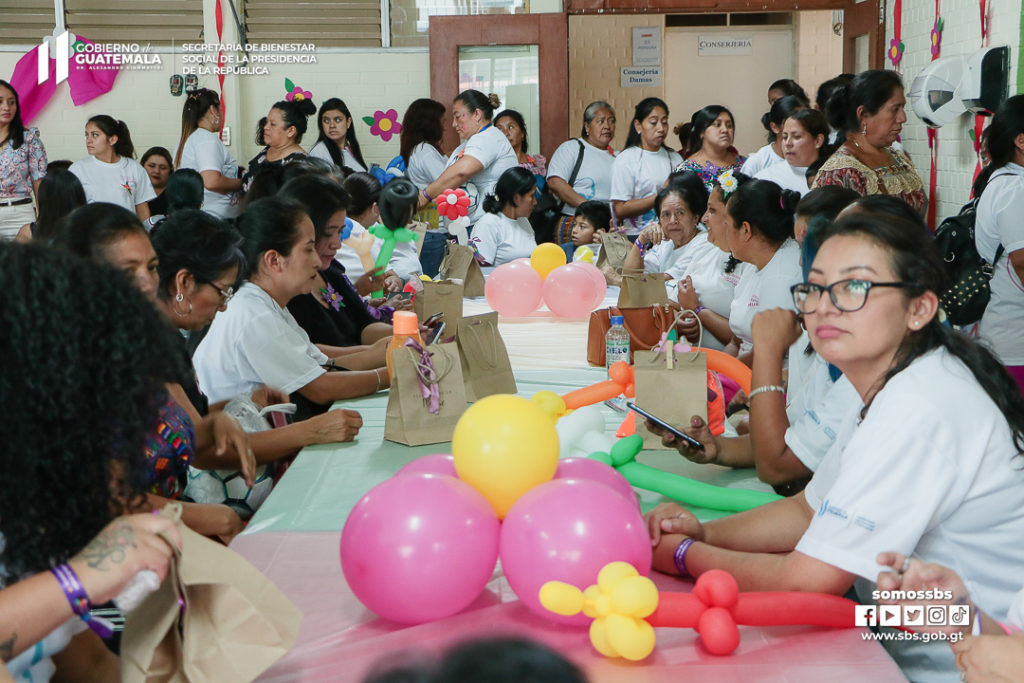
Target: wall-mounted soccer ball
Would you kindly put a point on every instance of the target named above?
(227, 487)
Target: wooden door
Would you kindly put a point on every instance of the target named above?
(864, 36)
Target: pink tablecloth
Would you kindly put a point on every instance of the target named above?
(341, 640)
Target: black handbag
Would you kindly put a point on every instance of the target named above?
(545, 216)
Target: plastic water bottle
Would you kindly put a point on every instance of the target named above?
(616, 342)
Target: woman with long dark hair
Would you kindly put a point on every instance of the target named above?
(803, 136)
(772, 153)
(929, 467)
(22, 164)
(110, 172)
(159, 166)
(336, 141)
(709, 152)
(200, 148)
(59, 194)
(420, 149)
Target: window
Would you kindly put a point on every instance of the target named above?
(326, 23)
(411, 18)
(156, 22)
(26, 22)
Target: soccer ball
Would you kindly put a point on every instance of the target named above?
(227, 487)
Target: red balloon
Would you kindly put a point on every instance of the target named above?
(717, 588)
(718, 631)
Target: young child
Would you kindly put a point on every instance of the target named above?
(593, 219)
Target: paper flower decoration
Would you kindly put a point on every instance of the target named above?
(895, 51)
(331, 297)
(383, 124)
(936, 37)
(295, 93)
(453, 204)
(727, 181)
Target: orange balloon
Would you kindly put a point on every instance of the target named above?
(730, 367)
(595, 393)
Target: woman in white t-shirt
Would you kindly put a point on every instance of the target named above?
(504, 234)
(200, 148)
(930, 466)
(109, 173)
(773, 153)
(803, 137)
(337, 140)
(760, 215)
(477, 163)
(593, 181)
(257, 341)
(420, 148)
(641, 169)
(999, 224)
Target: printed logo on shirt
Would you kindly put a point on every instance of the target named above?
(864, 523)
(754, 302)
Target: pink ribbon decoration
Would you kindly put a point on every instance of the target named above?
(427, 377)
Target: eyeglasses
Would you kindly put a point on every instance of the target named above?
(846, 295)
(225, 294)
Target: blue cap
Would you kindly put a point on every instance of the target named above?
(618, 320)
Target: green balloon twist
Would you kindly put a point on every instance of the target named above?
(397, 204)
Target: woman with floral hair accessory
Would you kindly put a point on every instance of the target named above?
(281, 134)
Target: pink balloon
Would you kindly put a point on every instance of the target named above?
(432, 464)
(600, 284)
(595, 470)
(569, 292)
(419, 547)
(567, 530)
(514, 289)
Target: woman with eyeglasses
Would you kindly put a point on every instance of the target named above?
(930, 467)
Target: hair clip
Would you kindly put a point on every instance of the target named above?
(782, 204)
(727, 181)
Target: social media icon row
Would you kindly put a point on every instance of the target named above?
(912, 615)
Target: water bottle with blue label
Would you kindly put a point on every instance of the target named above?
(616, 342)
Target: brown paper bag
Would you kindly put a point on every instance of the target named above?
(460, 264)
(485, 366)
(418, 228)
(639, 290)
(234, 624)
(408, 419)
(673, 395)
(614, 249)
(440, 297)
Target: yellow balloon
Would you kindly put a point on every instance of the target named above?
(636, 596)
(503, 446)
(561, 598)
(583, 253)
(551, 403)
(631, 638)
(599, 639)
(546, 257)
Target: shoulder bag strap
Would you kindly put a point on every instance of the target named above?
(575, 171)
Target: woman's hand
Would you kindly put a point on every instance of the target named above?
(686, 294)
(267, 396)
(227, 523)
(392, 283)
(121, 550)
(334, 426)
(652, 234)
(990, 659)
(672, 518)
(228, 434)
(774, 330)
(698, 429)
(371, 281)
(918, 576)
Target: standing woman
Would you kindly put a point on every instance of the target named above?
(201, 149)
(868, 115)
(420, 149)
(159, 166)
(709, 152)
(285, 125)
(477, 163)
(803, 136)
(504, 234)
(109, 173)
(642, 167)
(772, 153)
(511, 123)
(593, 181)
(22, 165)
(999, 237)
(337, 140)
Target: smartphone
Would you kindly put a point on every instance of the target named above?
(435, 333)
(690, 441)
(433, 319)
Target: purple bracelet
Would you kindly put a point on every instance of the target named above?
(680, 556)
(79, 601)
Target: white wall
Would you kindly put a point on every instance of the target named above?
(962, 35)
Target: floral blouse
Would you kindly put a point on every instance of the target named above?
(709, 171)
(898, 178)
(19, 168)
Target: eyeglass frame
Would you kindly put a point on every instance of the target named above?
(822, 289)
(225, 296)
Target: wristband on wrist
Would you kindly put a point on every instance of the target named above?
(679, 557)
(427, 196)
(766, 388)
(69, 582)
(376, 373)
(697, 310)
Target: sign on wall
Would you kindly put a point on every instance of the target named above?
(640, 76)
(646, 45)
(720, 44)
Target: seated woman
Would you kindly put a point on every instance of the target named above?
(256, 341)
(159, 166)
(184, 191)
(511, 123)
(60, 193)
(803, 138)
(709, 152)
(773, 153)
(504, 234)
(70, 466)
(333, 313)
(105, 234)
(592, 219)
(359, 252)
(928, 467)
(200, 266)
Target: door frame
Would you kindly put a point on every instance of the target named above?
(549, 32)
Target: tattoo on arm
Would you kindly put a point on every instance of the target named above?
(7, 648)
(109, 548)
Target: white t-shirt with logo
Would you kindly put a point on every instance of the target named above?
(760, 160)
(759, 290)
(123, 182)
(931, 471)
(490, 147)
(715, 288)
(636, 174)
(500, 239)
(205, 152)
(320, 152)
(1000, 220)
(787, 177)
(594, 180)
(255, 341)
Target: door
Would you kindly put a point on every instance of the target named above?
(864, 36)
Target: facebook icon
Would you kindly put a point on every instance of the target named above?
(865, 615)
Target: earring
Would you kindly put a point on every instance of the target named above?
(864, 129)
(178, 298)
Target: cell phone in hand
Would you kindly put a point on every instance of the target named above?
(432, 320)
(435, 333)
(690, 441)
